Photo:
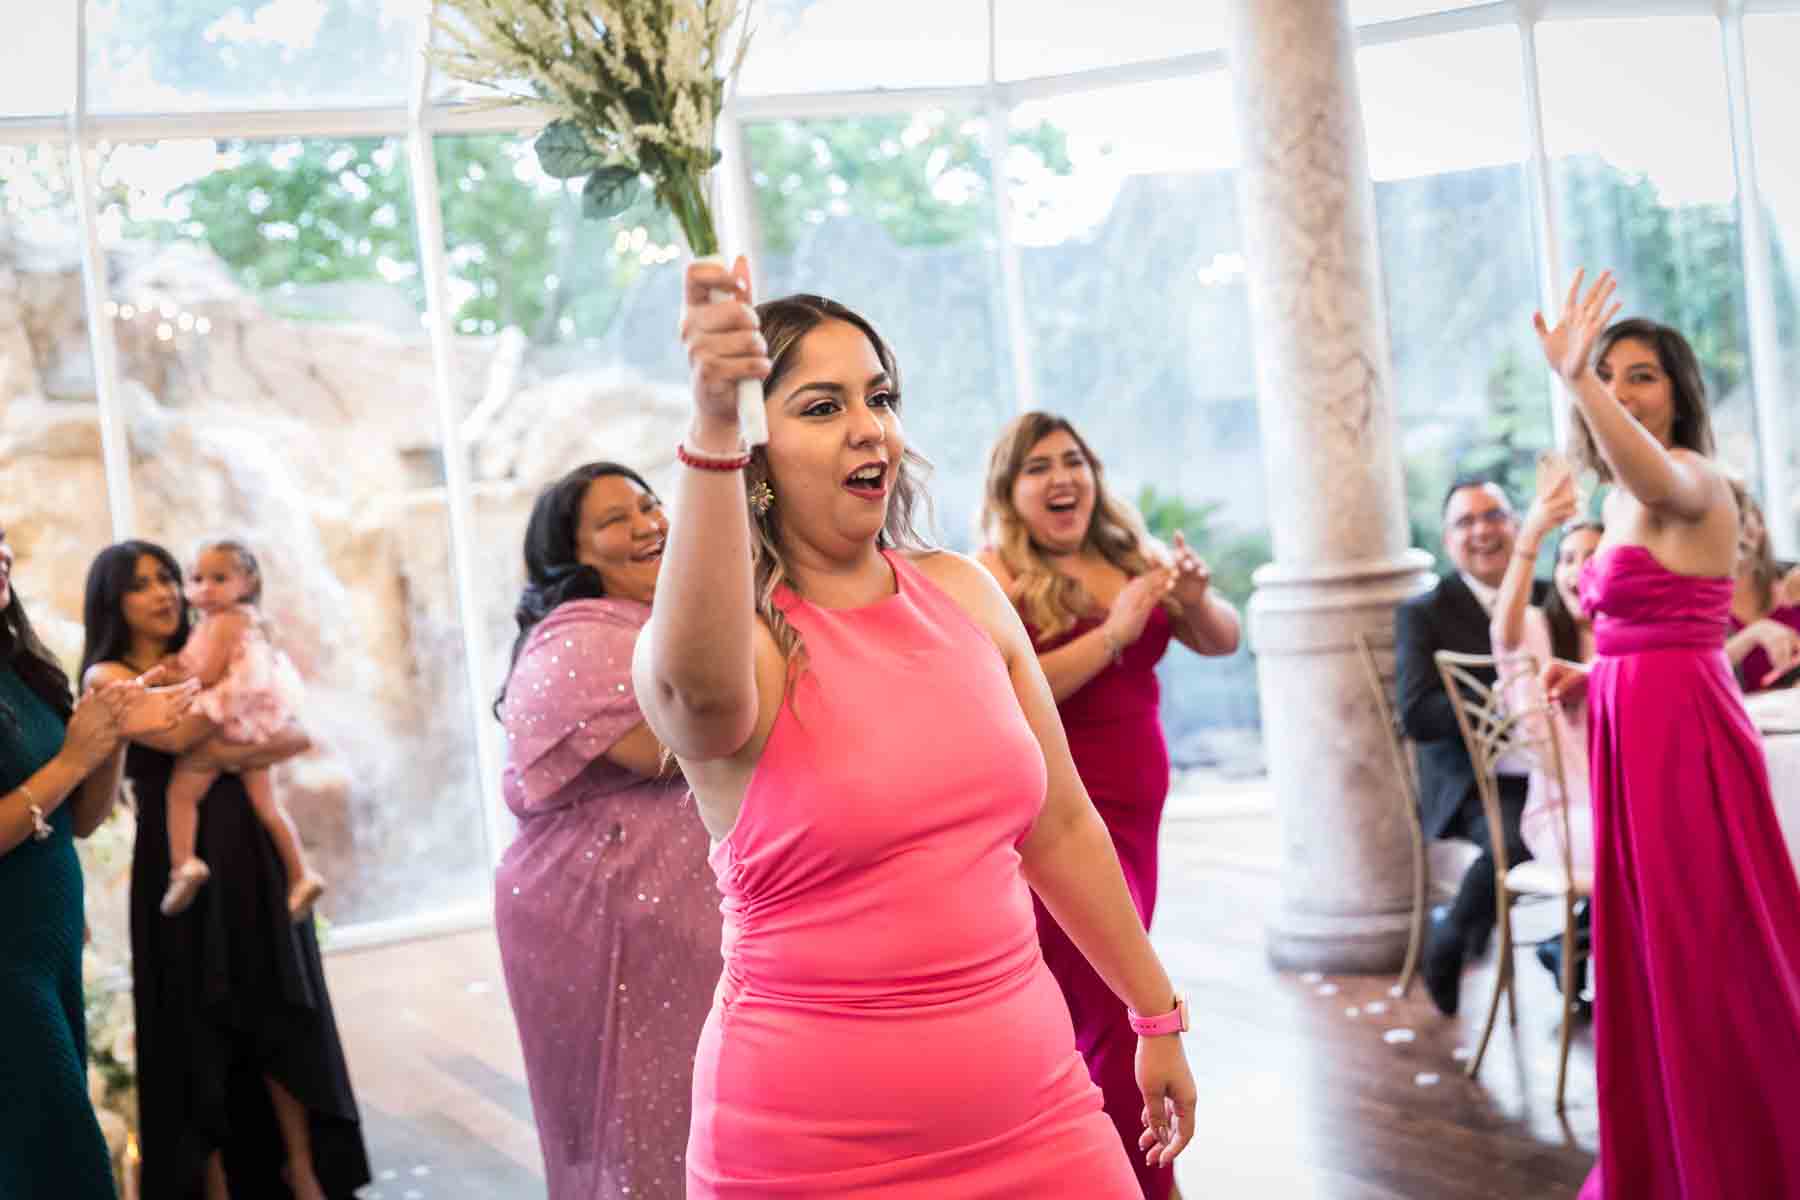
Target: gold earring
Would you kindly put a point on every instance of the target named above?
(762, 498)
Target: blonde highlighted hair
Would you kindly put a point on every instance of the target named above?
(1050, 601)
(785, 323)
(1764, 571)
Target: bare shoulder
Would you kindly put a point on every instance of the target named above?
(105, 672)
(989, 560)
(976, 591)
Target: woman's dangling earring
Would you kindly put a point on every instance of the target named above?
(762, 498)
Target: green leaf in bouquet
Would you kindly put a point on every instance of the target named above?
(563, 153)
(609, 192)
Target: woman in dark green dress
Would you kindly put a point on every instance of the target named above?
(59, 772)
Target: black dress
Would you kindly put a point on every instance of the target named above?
(227, 992)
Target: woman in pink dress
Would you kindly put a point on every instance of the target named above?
(1101, 603)
(878, 758)
(1764, 641)
(1696, 907)
(1524, 635)
(605, 909)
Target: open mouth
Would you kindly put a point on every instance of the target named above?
(1062, 505)
(652, 552)
(870, 481)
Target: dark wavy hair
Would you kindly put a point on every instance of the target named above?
(114, 571)
(22, 650)
(553, 576)
(1565, 628)
(1692, 428)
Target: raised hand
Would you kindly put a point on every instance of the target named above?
(723, 342)
(1570, 345)
(1192, 576)
(1131, 611)
(1554, 506)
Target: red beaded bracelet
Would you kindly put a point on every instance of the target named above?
(705, 462)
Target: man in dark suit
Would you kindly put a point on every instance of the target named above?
(1479, 528)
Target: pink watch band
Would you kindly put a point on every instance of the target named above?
(1173, 1021)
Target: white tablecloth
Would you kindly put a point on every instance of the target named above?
(1783, 750)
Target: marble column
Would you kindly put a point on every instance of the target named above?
(1336, 498)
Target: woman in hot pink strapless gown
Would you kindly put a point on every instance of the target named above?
(1696, 911)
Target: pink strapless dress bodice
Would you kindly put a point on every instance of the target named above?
(1696, 908)
(885, 1026)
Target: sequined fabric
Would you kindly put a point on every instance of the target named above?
(607, 915)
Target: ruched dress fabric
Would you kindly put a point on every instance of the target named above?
(885, 1027)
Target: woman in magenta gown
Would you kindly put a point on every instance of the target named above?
(877, 755)
(1696, 931)
(1101, 605)
(606, 912)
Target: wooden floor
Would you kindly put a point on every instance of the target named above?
(1312, 1089)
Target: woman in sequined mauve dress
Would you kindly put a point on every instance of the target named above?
(1101, 602)
(605, 908)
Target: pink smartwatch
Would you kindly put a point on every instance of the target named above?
(1173, 1021)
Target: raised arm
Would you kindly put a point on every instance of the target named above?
(1209, 622)
(1554, 505)
(694, 668)
(1675, 484)
(1071, 666)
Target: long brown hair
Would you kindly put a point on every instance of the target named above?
(1692, 429)
(1049, 600)
(1564, 626)
(37, 668)
(1764, 571)
(785, 324)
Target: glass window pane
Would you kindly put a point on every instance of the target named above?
(1367, 12)
(37, 63)
(145, 57)
(1053, 37)
(1637, 123)
(271, 352)
(852, 45)
(1771, 42)
(51, 474)
(566, 331)
(1138, 307)
(894, 217)
(1458, 262)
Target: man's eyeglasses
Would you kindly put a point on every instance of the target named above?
(1493, 518)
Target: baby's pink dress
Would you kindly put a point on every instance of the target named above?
(259, 692)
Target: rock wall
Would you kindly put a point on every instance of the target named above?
(319, 442)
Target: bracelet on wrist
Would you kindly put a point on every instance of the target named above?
(1114, 650)
(700, 461)
(40, 828)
